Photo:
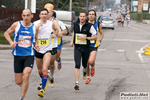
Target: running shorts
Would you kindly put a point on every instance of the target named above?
(54, 51)
(93, 49)
(20, 62)
(40, 55)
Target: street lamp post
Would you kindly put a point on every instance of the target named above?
(131, 5)
(87, 5)
(70, 7)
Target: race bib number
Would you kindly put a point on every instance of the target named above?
(78, 41)
(43, 41)
(92, 41)
(24, 41)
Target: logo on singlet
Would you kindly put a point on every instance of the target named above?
(25, 32)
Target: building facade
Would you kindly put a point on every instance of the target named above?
(143, 5)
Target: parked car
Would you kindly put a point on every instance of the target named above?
(107, 22)
(67, 17)
(100, 18)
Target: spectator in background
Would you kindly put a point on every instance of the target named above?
(128, 20)
(122, 21)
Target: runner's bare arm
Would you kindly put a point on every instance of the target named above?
(56, 28)
(36, 35)
(71, 44)
(101, 35)
(94, 37)
(7, 33)
(64, 32)
(36, 38)
(101, 32)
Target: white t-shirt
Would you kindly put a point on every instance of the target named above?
(61, 25)
(44, 36)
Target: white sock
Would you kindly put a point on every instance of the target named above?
(84, 69)
(21, 98)
(77, 82)
(49, 72)
(89, 77)
(93, 67)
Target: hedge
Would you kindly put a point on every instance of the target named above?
(3, 40)
(140, 16)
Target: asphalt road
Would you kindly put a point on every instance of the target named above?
(121, 66)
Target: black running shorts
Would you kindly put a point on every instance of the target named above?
(54, 51)
(40, 55)
(81, 53)
(93, 49)
(20, 62)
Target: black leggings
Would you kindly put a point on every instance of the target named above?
(81, 52)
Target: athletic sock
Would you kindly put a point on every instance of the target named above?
(51, 77)
(88, 76)
(93, 67)
(48, 72)
(21, 98)
(77, 82)
(44, 80)
(84, 70)
(59, 61)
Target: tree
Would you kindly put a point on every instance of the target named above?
(13, 3)
(56, 3)
(0, 3)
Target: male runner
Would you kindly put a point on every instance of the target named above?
(83, 33)
(43, 56)
(23, 49)
(94, 44)
(54, 46)
(60, 40)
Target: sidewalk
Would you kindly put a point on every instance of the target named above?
(66, 39)
(136, 22)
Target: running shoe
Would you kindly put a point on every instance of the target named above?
(51, 82)
(39, 87)
(41, 93)
(76, 87)
(59, 64)
(84, 75)
(92, 71)
(88, 81)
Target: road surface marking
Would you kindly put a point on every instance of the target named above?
(140, 53)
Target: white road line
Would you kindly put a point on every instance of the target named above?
(120, 50)
(101, 49)
(140, 54)
(127, 40)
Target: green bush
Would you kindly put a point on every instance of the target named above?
(77, 10)
(133, 16)
(140, 16)
(3, 40)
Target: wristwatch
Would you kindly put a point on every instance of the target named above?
(86, 38)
